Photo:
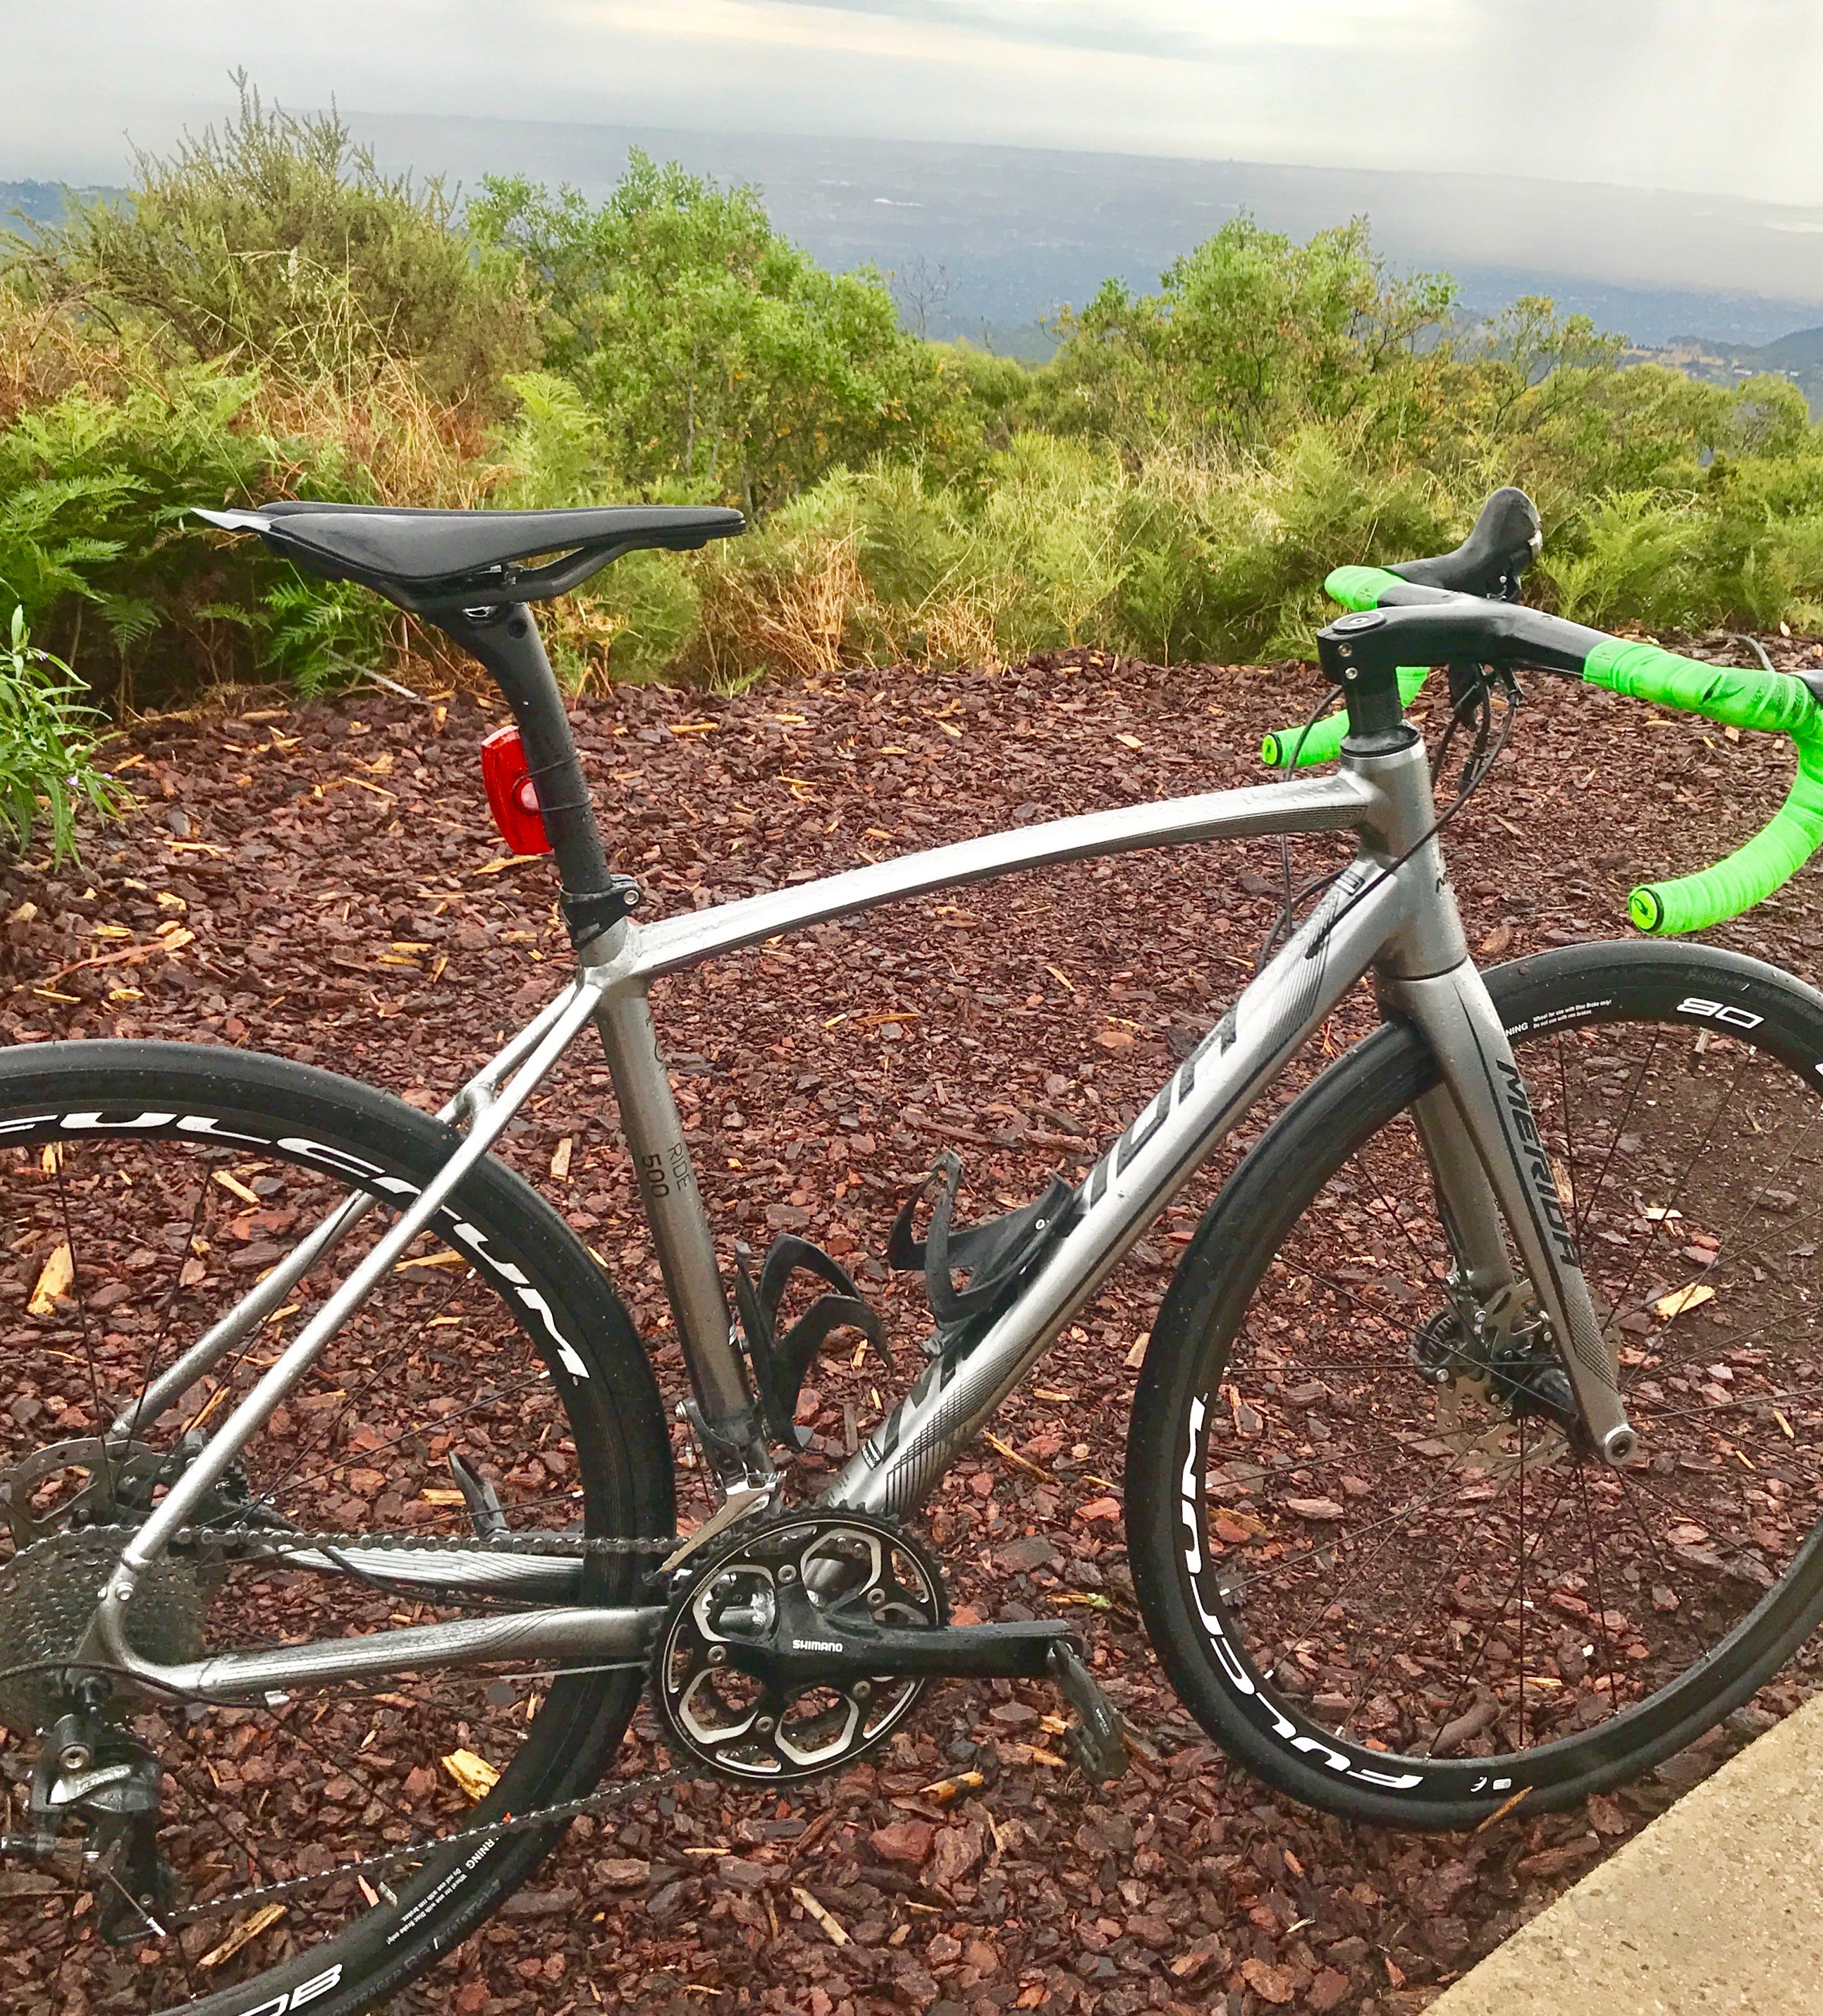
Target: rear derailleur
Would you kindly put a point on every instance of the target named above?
(803, 1643)
(94, 1775)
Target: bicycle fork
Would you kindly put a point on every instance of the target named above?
(1489, 1164)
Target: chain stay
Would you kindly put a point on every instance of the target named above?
(280, 1544)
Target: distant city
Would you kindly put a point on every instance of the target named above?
(986, 243)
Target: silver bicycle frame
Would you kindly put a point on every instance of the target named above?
(1390, 912)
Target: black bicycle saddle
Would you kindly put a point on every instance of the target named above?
(419, 559)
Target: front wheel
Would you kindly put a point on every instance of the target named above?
(143, 1188)
(1375, 1567)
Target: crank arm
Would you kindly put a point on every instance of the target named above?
(808, 1649)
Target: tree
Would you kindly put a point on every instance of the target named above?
(276, 242)
(1249, 336)
(722, 358)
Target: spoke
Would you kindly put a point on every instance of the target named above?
(352, 1400)
(343, 1768)
(1705, 1519)
(1644, 1530)
(1394, 1323)
(1601, 1599)
(1522, 1606)
(198, 1211)
(1437, 1581)
(492, 1399)
(1360, 1533)
(1424, 1259)
(258, 1870)
(1620, 1128)
(1466, 1673)
(77, 1290)
(1670, 1203)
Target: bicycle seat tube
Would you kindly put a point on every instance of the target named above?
(506, 641)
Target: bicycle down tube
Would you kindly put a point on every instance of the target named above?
(1389, 909)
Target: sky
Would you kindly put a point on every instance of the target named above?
(1719, 97)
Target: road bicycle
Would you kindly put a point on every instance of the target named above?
(1473, 1464)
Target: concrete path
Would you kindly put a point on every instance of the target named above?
(1717, 1905)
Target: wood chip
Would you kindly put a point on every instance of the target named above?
(1008, 1454)
(826, 1919)
(474, 1776)
(1680, 1299)
(560, 1158)
(950, 1788)
(57, 1277)
(235, 1187)
(248, 1929)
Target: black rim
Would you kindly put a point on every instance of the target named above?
(1319, 1558)
(362, 1457)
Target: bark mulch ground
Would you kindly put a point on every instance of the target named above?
(322, 881)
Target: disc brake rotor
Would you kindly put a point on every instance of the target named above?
(1502, 1450)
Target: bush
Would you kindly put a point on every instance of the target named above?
(718, 356)
(1249, 337)
(276, 243)
(48, 741)
(270, 316)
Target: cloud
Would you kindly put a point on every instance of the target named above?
(1670, 93)
(1182, 30)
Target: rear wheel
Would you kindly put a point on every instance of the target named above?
(1374, 1567)
(142, 1188)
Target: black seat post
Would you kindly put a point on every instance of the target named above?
(506, 641)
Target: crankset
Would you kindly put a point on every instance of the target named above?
(803, 1644)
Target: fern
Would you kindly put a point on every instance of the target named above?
(48, 744)
(324, 633)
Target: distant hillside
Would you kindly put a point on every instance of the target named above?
(44, 203)
(1798, 357)
(1005, 235)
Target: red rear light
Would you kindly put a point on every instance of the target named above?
(513, 797)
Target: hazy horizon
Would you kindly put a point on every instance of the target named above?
(1670, 95)
(1635, 156)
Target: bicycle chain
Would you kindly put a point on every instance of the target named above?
(562, 1812)
(279, 1545)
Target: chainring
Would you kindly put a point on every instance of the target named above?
(742, 1728)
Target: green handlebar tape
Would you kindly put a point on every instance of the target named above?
(1771, 702)
(1359, 587)
(1324, 740)
(1775, 703)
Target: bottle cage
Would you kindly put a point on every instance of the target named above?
(997, 1257)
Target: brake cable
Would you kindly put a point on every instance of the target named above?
(1476, 770)
(1289, 906)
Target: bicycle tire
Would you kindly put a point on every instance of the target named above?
(1219, 1648)
(308, 1118)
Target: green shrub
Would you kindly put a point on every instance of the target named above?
(718, 356)
(276, 243)
(270, 316)
(47, 743)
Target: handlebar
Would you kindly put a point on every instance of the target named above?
(1401, 628)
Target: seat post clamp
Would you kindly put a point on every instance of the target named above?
(588, 912)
